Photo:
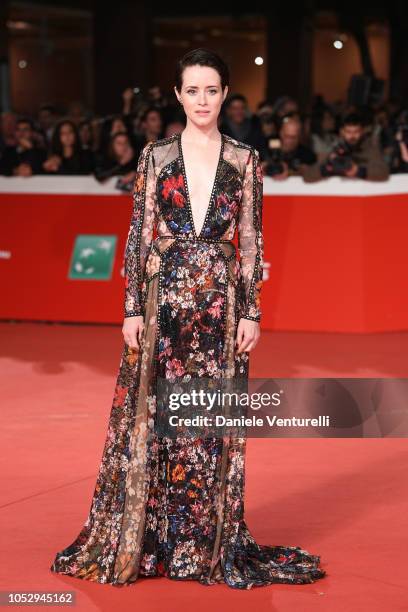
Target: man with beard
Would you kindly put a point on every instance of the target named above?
(356, 155)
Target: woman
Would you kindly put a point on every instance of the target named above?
(167, 506)
(112, 125)
(86, 136)
(67, 155)
(151, 127)
(120, 160)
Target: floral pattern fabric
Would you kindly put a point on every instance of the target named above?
(166, 506)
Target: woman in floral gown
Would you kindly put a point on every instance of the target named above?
(174, 506)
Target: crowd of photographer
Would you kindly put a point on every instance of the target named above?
(351, 142)
(330, 140)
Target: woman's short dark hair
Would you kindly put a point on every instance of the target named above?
(202, 57)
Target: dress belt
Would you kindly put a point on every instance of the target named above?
(194, 239)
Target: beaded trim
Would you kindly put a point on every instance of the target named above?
(251, 287)
(164, 141)
(139, 310)
(238, 143)
(142, 214)
(209, 207)
(257, 229)
(251, 318)
(195, 239)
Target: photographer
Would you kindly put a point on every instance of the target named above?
(287, 156)
(356, 155)
(399, 157)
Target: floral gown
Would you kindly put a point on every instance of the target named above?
(175, 506)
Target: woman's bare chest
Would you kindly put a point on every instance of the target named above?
(200, 168)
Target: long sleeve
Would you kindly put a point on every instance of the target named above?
(250, 235)
(377, 167)
(140, 232)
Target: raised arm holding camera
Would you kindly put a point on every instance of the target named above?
(287, 155)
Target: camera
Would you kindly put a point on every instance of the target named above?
(340, 160)
(274, 165)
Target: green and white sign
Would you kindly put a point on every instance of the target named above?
(92, 257)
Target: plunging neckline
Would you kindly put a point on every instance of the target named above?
(183, 167)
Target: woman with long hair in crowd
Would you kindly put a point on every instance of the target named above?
(67, 156)
(111, 125)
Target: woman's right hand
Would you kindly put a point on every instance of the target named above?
(133, 330)
(52, 164)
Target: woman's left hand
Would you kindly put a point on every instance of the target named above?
(130, 176)
(248, 333)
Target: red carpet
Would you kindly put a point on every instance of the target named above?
(344, 499)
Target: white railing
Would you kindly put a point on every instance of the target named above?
(294, 185)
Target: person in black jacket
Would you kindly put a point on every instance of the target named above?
(26, 157)
(399, 152)
(240, 124)
(67, 155)
(111, 125)
(151, 128)
(356, 155)
(120, 159)
(288, 156)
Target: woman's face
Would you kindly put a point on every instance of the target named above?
(153, 122)
(117, 126)
(85, 133)
(201, 94)
(67, 135)
(120, 145)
